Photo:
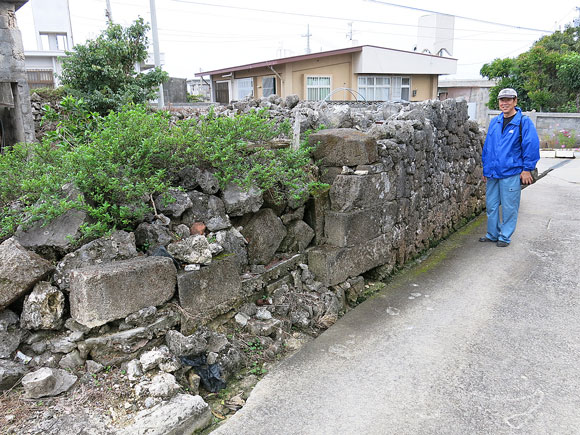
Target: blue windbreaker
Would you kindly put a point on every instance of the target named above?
(504, 155)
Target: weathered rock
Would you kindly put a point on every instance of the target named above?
(72, 361)
(93, 367)
(119, 246)
(150, 236)
(10, 333)
(10, 373)
(182, 231)
(358, 226)
(336, 116)
(43, 308)
(182, 414)
(263, 327)
(343, 146)
(297, 238)
(192, 345)
(151, 359)
(47, 382)
(233, 242)
(210, 290)
(239, 201)
(333, 265)
(164, 386)
(142, 317)
(117, 347)
(207, 181)
(99, 294)
(351, 192)
(291, 101)
(208, 209)
(193, 250)
(134, 370)
(173, 203)
(20, 270)
(264, 233)
(57, 237)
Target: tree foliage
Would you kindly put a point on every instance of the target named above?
(102, 71)
(545, 77)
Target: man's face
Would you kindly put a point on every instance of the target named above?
(508, 106)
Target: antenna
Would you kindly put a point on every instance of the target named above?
(307, 36)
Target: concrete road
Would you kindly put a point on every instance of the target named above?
(475, 340)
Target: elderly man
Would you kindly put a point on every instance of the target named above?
(510, 153)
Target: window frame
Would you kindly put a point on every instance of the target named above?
(237, 87)
(396, 88)
(319, 88)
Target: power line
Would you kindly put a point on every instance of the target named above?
(349, 19)
(457, 16)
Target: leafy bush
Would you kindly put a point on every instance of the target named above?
(102, 71)
(119, 161)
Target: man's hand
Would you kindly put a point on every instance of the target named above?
(526, 177)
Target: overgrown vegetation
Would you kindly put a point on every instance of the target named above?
(115, 163)
(102, 71)
(546, 76)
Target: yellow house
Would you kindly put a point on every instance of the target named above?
(365, 72)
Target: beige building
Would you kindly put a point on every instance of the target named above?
(365, 72)
(475, 92)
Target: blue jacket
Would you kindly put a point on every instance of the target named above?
(504, 154)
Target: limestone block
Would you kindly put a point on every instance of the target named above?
(57, 236)
(343, 146)
(99, 294)
(333, 265)
(10, 373)
(358, 226)
(10, 333)
(298, 237)
(20, 270)
(208, 209)
(173, 203)
(264, 233)
(239, 201)
(211, 289)
(150, 236)
(183, 414)
(47, 382)
(350, 192)
(118, 246)
(193, 250)
(43, 308)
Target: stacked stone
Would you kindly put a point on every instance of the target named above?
(407, 183)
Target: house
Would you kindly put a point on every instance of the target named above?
(52, 36)
(365, 72)
(475, 92)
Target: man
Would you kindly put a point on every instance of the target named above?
(510, 153)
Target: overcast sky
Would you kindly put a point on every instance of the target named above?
(212, 34)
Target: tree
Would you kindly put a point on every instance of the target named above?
(102, 71)
(545, 77)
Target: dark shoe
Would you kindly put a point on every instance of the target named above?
(502, 244)
(485, 239)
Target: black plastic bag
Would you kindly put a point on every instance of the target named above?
(211, 374)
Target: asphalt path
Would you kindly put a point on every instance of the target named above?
(475, 339)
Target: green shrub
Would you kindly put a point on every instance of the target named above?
(120, 160)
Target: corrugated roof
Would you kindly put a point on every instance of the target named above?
(302, 57)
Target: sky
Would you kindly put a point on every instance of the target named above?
(206, 35)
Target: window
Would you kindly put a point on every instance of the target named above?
(244, 87)
(374, 88)
(268, 86)
(384, 88)
(54, 41)
(317, 87)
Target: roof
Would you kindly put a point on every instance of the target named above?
(284, 60)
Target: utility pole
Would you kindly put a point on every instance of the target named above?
(307, 36)
(349, 34)
(156, 56)
(109, 12)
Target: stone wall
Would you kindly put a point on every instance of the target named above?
(401, 177)
(395, 190)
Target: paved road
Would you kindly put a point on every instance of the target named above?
(475, 340)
